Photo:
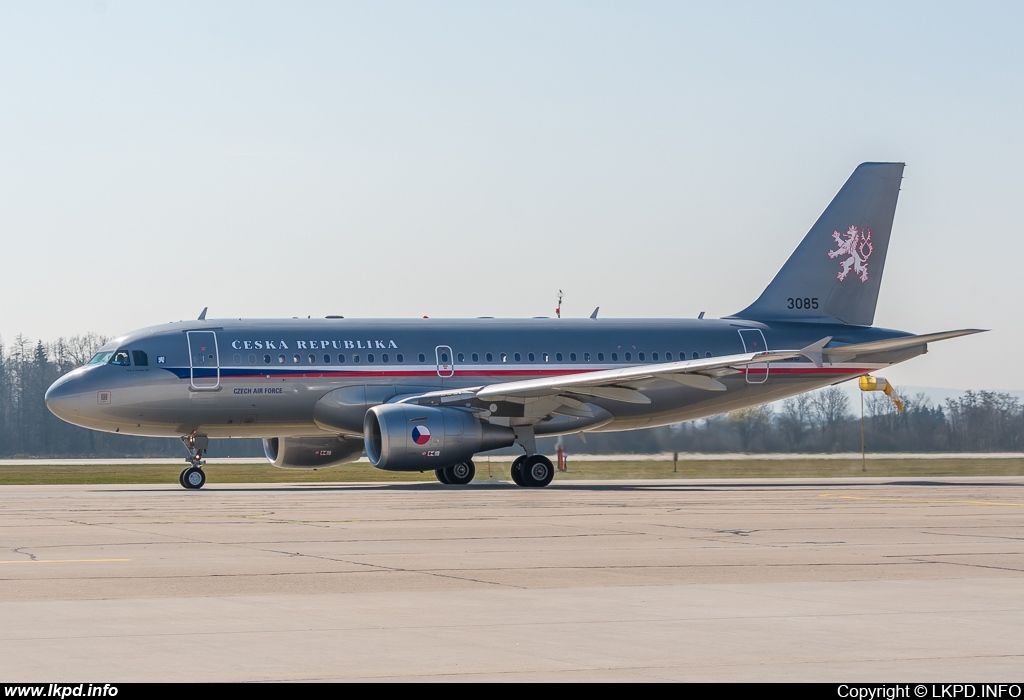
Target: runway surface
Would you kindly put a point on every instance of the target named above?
(830, 580)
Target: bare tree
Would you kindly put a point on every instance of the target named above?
(795, 419)
(831, 408)
(751, 423)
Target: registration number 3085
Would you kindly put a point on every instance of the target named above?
(802, 303)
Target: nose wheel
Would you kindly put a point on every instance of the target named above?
(193, 477)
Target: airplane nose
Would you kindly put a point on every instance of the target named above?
(63, 399)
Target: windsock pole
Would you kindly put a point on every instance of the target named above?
(869, 383)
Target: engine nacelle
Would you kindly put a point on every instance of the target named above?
(406, 437)
(311, 452)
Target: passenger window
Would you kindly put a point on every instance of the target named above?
(476, 357)
(629, 356)
(696, 355)
(312, 359)
(423, 358)
(707, 354)
(252, 359)
(572, 357)
(462, 358)
(384, 357)
(654, 356)
(545, 356)
(615, 357)
(586, 357)
(142, 360)
(668, 356)
(531, 357)
(266, 359)
(504, 357)
(401, 358)
(444, 358)
(489, 357)
(121, 358)
(641, 356)
(369, 357)
(518, 357)
(558, 357)
(600, 357)
(355, 359)
(236, 358)
(281, 359)
(341, 359)
(296, 358)
(327, 359)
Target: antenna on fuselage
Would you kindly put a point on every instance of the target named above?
(558, 309)
(202, 316)
(596, 309)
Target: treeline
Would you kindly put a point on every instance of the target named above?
(827, 420)
(28, 429)
(821, 421)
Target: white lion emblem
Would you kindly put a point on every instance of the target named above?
(858, 247)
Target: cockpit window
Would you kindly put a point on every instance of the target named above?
(121, 358)
(140, 358)
(100, 358)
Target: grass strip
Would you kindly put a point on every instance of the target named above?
(118, 473)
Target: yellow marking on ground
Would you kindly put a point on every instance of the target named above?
(58, 561)
(921, 500)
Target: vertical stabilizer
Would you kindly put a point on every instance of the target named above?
(836, 271)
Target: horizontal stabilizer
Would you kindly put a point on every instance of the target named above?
(896, 343)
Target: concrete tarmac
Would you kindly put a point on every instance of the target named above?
(810, 580)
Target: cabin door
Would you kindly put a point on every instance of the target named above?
(753, 341)
(204, 360)
(445, 361)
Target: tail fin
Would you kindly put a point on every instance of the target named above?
(835, 272)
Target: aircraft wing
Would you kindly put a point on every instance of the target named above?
(620, 384)
(611, 383)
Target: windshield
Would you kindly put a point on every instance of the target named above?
(100, 358)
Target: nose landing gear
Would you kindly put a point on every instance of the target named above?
(193, 477)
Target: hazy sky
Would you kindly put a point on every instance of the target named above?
(466, 159)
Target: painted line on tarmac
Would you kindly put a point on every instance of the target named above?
(59, 561)
(920, 500)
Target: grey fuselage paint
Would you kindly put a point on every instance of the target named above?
(265, 378)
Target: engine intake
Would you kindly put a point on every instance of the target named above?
(311, 452)
(405, 437)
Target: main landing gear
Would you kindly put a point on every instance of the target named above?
(532, 471)
(193, 477)
(458, 474)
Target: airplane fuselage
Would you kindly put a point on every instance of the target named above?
(264, 378)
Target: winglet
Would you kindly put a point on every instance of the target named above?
(202, 316)
(813, 351)
(596, 309)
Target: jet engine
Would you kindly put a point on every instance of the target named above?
(311, 452)
(406, 437)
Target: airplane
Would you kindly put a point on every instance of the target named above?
(430, 394)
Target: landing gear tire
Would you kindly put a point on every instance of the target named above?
(181, 478)
(460, 474)
(193, 478)
(516, 472)
(441, 476)
(537, 472)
